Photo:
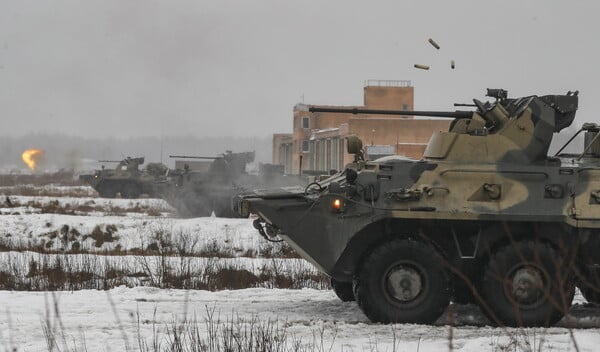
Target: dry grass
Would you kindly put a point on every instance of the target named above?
(63, 178)
(235, 334)
(39, 272)
(51, 190)
(54, 206)
(66, 259)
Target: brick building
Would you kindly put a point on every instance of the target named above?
(318, 139)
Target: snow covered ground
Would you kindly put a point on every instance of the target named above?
(118, 319)
(126, 318)
(132, 229)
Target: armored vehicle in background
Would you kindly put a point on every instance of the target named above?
(127, 179)
(486, 216)
(197, 193)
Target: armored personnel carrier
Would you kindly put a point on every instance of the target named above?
(127, 179)
(201, 192)
(486, 216)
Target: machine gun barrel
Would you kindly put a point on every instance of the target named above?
(195, 157)
(448, 114)
(109, 161)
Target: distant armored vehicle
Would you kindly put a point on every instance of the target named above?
(199, 193)
(127, 179)
(487, 216)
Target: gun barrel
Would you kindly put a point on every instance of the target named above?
(109, 161)
(448, 114)
(195, 157)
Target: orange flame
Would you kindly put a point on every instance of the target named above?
(30, 157)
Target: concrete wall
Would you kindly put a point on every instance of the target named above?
(389, 98)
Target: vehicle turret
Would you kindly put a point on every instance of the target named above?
(226, 165)
(507, 130)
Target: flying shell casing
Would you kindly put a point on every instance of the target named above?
(435, 45)
(422, 67)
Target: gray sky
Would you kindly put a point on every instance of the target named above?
(237, 67)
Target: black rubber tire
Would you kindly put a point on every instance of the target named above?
(497, 285)
(592, 295)
(130, 190)
(343, 290)
(106, 190)
(589, 284)
(373, 291)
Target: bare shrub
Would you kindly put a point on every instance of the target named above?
(102, 234)
(7, 281)
(234, 334)
(280, 274)
(153, 212)
(277, 250)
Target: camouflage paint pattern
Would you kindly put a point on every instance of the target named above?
(484, 183)
(127, 179)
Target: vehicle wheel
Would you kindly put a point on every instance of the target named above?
(343, 290)
(589, 284)
(130, 191)
(591, 294)
(527, 284)
(105, 190)
(403, 281)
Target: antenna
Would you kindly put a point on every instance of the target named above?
(162, 135)
(161, 147)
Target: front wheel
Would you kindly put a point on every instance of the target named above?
(591, 294)
(527, 284)
(130, 190)
(343, 290)
(106, 190)
(589, 285)
(403, 281)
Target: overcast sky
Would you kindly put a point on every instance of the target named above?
(237, 67)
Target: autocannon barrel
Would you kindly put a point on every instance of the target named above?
(449, 114)
(195, 157)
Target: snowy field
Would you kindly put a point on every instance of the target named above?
(127, 318)
(143, 237)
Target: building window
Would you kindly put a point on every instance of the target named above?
(305, 146)
(305, 122)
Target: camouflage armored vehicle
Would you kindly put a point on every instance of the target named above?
(200, 192)
(127, 179)
(486, 216)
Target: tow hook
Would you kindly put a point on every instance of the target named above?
(267, 231)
